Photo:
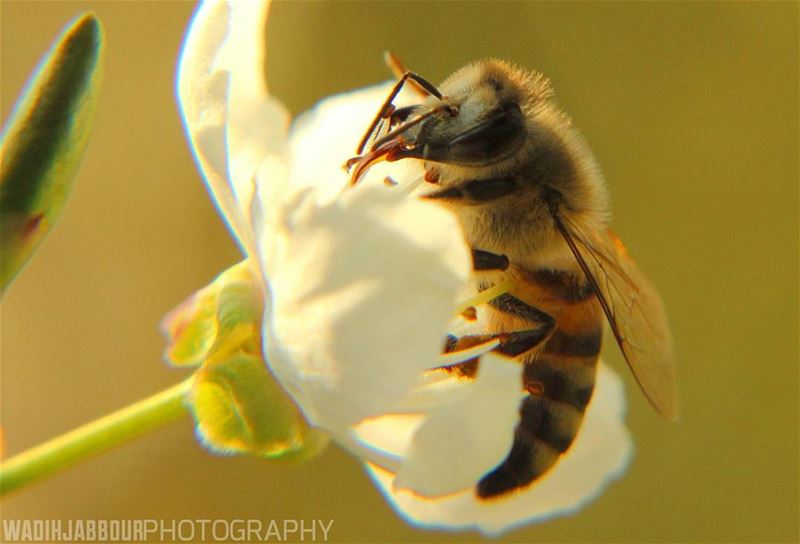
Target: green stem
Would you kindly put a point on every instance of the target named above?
(93, 438)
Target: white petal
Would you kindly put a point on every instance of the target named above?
(361, 290)
(323, 138)
(232, 124)
(462, 441)
(392, 434)
(601, 453)
(257, 122)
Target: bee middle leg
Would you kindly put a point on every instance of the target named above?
(512, 343)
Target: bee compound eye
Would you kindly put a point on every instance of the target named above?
(497, 137)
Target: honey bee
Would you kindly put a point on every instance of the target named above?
(500, 154)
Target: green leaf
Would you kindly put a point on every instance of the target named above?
(44, 140)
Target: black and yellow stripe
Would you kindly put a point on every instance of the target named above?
(559, 373)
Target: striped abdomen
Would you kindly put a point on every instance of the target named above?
(559, 373)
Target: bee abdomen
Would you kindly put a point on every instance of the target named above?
(559, 373)
(546, 430)
(560, 380)
(549, 421)
(583, 345)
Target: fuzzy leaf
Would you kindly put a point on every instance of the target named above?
(44, 140)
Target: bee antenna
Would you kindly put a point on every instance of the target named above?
(409, 124)
(423, 85)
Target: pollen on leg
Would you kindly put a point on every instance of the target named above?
(484, 296)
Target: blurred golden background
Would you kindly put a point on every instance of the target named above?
(692, 111)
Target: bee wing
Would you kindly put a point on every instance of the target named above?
(633, 309)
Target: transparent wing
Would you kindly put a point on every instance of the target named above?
(633, 309)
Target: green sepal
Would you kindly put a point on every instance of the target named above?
(44, 140)
(240, 408)
(222, 318)
(237, 404)
(191, 328)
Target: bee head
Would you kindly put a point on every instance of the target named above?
(486, 122)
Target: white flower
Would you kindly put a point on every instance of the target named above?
(360, 289)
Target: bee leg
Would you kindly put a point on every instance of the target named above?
(387, 108)
(468, 368)
(509, 304)
(400, 115)
(484, 190)
(484, 260)
(477, 191)
(512, 344)
(397, 68)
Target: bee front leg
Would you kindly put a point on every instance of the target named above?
(476, 192)
(485, 260)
